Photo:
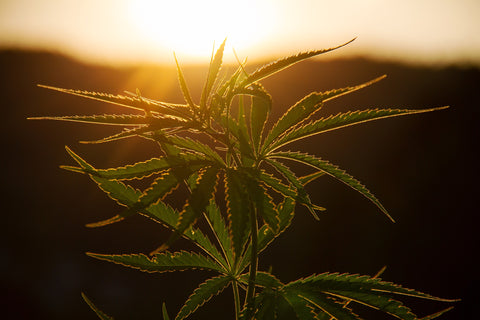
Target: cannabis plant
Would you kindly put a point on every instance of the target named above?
(233, 164)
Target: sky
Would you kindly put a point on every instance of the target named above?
(135, 31)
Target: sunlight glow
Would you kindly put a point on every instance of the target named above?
(191, 27)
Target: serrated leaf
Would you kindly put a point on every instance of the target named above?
(217, 223)
(184, 87)
(333, 171)
(363, 289)
(134, 200)
(263, 279)
(262, 201)
(307, 106)
(189, 144)
(342, 120)
(112, 119)
(437, 314)
(202, 294)
(261, 107)
(167, 216)
(213, 70)
(161, 262)
(92, 306)
(144, 169)
(126, 133)
(334, 309)
(301, 195)
(311, 177)
(238, 209)
(274, 67)
(133, 102)
(122, 194)
(286, 212)
(302, 308)
(196, 204)
(160, 187)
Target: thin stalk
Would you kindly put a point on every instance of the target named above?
(236, 298)
(249, 299)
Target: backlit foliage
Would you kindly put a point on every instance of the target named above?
(246, 158)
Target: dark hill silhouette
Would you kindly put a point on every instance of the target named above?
(422, 168)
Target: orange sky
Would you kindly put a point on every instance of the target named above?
(113, 31)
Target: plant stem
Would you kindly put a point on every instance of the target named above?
(249, 299)
(236, 297)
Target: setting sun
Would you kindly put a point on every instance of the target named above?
(191, 27)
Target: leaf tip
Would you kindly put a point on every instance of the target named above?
(160, 249)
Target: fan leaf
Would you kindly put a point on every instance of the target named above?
(92, 306)
(147, 168)
(202, 294)
(301, 195)
(261, 107)
(196, 204)
(217, 224)
(342, 120)
(120, 120)
(161, 262)
(167, 216)
(213, 70)
(304, 108)
(333, 171)
(238, 209)
(274, 67)
(132, 102)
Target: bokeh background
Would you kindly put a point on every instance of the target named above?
(422, 168)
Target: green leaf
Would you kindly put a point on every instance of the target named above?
(333, 171)
(160, 187)
(261, 107)
(196, 203)
(92, 306)
(195, 146)
(334, 309)
(161, 262)
(274, 67)
(167, 216)
(302, 308)
(263, 279)
(119, 120)
(341, 120)
(304, 108)
(164, 312)
(126, 133)
(144, 169)
(262, 201)
(301, 195)
(184, 87)
(123, 194)
(437, 314)
(133, 102)
(372, 292)
(286, 212)
(238, 209)
(202, 294)
(213, 70)
(217, 224)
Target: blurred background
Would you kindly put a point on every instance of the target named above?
(421, 167)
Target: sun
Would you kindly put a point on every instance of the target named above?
(191, 27)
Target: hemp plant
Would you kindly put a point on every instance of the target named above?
(232, 165)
